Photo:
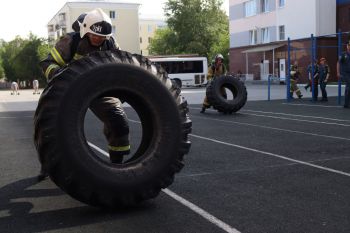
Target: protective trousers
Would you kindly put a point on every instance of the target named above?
(294, 88)
(206, 104)
(116, 128)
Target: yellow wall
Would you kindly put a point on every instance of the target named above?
(147, 30)
(126, 21)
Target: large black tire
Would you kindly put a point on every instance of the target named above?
(63, 149)
(219, 102)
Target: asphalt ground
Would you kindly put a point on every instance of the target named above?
(271, 167)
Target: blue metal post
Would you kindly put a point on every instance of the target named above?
(339, 54)
(268, 87)
(312, 66)
(288, 72)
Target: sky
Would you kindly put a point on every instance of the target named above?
(19, 17)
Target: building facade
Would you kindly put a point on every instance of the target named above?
(147, 30)
(124, 16)
(259, 30)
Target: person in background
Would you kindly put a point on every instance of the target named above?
(36, 87)
(323, 74)
(294, 78)
(343, 72)
(315, 79)
(215, 70)
(14, 88)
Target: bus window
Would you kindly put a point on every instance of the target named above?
(190, 71)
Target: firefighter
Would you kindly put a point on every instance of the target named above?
(216, 69)
(314, 78)
(95, 35)
(323, 73)
(343, 72)
(294, 77)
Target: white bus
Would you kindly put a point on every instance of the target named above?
(184, 70)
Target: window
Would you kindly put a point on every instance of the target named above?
(149, 28)
(62, 17)
(64, 31)
(250, 8)
(140, 40)
(149, 39)
(265, 35)
(264, 6)
(253, 37)
(112, 14)
(282, 34)
(282, 3)
(182, 67)
(50, 28)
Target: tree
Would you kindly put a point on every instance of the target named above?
(9, 52)
(2, 74)
(194, 26)
(26, 62)
(20, 58)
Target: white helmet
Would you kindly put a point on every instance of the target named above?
(96, 22)
(219, 56)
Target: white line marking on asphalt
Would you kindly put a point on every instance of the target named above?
(255, 169)
(16, 117)
(98, 149)
(201, 212)
(273, 155)
(286, 114)
(273, 128)
(313, 105)
(184, 202)
(292, 119)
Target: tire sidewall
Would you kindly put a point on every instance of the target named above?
(80, 161)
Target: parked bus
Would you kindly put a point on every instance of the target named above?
(184, 70)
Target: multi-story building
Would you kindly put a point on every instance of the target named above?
(125, 21)
(259, 30)
(147, 30)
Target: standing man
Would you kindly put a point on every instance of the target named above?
(315, 79)
(215, 70)
(343, 72)
(294, 77)
(323, 72)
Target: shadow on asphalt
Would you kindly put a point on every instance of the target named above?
(18, 217)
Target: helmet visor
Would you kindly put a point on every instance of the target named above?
(102, 28)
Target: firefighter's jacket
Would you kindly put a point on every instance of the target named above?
(214, 71)
(107, 109)
(71, 47)
(294, 72)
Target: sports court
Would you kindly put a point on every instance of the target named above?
(272, 167)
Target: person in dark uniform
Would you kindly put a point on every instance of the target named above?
(315, 79)
(95, 31)
(343, 72)
(323, 74)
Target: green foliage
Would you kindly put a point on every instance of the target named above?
(163, 42)
(194, 26)
(20, 58)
